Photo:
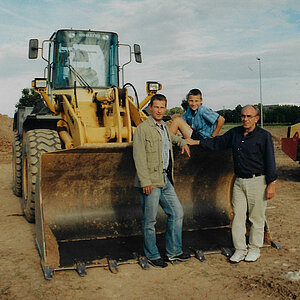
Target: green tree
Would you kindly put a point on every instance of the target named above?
(29, 98)
(237, 114)
(227, 114)
(184, 104)
(282, 114)
(174, 110)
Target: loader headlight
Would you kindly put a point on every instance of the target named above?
(153, 86)
(39, 83)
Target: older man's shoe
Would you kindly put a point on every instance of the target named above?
(238, 256)
(252, 256)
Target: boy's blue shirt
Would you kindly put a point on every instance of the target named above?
(202, 120)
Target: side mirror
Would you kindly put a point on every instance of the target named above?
(137, 53)
(33, 48)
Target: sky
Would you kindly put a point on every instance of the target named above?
(212, 45)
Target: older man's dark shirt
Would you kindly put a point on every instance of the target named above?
(253, 154)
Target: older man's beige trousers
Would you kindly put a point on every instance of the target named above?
(249, 196)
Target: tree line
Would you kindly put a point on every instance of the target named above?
(272, 114)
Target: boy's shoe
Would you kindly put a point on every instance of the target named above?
(252, 256)
(238, 256)
(182, 257)
(158, 263)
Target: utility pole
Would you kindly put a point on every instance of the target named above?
(260, 93)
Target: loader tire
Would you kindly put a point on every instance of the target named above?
(36, 141)
(17, 165)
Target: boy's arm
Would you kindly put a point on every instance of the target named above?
(219, 124)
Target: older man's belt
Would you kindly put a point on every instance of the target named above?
(250, 175)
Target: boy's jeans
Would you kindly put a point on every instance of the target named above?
(171, 205)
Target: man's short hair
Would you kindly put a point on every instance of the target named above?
(193, 92)
(254, 107)
(159, 97)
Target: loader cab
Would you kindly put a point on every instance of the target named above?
(88, 57)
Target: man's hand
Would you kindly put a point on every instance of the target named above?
(186, 149)
(270, 192)
(192, 142)
(147, 189)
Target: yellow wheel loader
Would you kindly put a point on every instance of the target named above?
(73, 160)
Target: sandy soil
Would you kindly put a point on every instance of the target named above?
(21, 276)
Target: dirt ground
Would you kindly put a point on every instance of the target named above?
(274, 276)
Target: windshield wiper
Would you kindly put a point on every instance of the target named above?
(82, 81)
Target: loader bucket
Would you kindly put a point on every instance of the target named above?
(86, 195)
(204, 186)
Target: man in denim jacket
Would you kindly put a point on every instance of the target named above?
(153, 157)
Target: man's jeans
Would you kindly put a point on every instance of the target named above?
(171, 205)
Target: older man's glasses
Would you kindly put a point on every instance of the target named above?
(247, 116)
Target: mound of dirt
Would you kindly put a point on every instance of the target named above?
(6, 133)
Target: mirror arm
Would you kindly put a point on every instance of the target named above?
(128, 62)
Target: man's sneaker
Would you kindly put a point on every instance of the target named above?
(238, 256)
(158, 263)
(182, 257)
(252, 256)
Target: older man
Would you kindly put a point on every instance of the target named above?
(153, 158)
(255, 170)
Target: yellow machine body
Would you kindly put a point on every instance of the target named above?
(84, 192)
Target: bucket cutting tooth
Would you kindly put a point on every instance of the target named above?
(81, 269)
(142, 260)
(112, 265)
(199, 254)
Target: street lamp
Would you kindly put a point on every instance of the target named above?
(260, 93)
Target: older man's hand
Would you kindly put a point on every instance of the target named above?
(186, 149)
(270, 192)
